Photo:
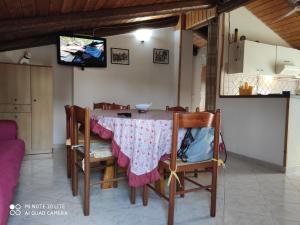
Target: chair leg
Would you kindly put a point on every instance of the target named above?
(132, 195)
(68, 162)
(164, 171)
(145, 195)
(195, 173)
(160, 185)
(181, 188)
(213, 202)
(115, 184)
(86, 198)
(172, 189)
(74, 176)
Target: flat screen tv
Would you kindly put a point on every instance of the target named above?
(82, 51)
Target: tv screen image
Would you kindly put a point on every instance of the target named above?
(82, 51)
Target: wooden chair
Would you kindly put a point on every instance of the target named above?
(115, 106)
(81, 155)
(174, 165)
(110, 106)
(177, 109)
(101, 105)
(94, 139)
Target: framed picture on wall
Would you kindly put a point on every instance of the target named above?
(160, 56)
(119, 56)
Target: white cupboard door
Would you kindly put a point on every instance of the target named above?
(24, 129)
(20, 84)
(6, 116)
(259, 58)
(41, 91)
(15, 84)
(4, 87)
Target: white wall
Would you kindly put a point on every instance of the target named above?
(46, 55)
(198, 62)
(186, 78)
(140, 82)
(253, 28)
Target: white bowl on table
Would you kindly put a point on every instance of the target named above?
(143, 107)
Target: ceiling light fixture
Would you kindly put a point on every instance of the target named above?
(143, 35)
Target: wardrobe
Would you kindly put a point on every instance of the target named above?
(26, 96)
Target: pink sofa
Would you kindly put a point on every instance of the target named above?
(11, 154)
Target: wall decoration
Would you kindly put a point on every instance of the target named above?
(119, 56)
(160, 56)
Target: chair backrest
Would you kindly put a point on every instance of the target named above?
(115, 106)
(101, 105)
(68, 121)
(110, 106)
(195, 120)
(81, 116)
(177, 109)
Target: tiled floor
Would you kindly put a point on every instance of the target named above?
(247, 195)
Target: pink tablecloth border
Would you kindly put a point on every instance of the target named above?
(123, 160)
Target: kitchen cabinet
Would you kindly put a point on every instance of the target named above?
(26, 94)
(15, 84)
(4, 88)
(287, 56)
(19, 84)
(251, 58)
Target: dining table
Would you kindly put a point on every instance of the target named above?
(139, 140)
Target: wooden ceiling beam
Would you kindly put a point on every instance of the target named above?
(64, 22)
(27, 43)
(129, 27)
(258, 3)
(231, 5)
(40, 40)
(95, 25)
(270, 9)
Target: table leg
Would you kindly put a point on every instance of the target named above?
(108, 174)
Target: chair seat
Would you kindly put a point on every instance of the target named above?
(182, 166)
(98, 149)
(93, 139)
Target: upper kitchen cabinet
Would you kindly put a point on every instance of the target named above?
(287, 56)
(252, 58)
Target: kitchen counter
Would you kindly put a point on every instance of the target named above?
(263, 127)
(255, 126)
(257, 96)
(295, 96)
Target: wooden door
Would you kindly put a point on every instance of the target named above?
(4, 87)
(19, 84)
(23, 121)
(41, 100)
